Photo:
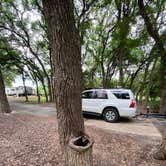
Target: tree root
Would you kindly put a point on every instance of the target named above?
(80, 151)
(160, 153)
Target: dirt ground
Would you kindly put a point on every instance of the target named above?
(138, 126)
(33, 141)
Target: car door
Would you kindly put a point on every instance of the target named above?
(87, 100)
(99, 101)
(123, 100)
(93, 101)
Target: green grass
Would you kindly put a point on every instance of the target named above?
(31, 99)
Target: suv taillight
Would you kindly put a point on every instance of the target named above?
(132, 104)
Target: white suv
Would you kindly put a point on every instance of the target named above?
(110, 103)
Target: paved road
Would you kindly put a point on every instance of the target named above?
(33, 109)
(142, 127)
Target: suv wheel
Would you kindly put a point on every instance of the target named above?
(110, 115)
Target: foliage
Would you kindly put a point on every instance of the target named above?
(117, 50)
(154, 105)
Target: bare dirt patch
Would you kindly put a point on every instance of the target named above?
(32, 140)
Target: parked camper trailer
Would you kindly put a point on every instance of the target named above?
(10, 91)
(18, 91)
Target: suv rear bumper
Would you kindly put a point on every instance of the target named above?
(129, 113)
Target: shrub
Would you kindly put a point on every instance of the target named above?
(154, 106)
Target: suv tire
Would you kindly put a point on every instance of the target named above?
(110, 115)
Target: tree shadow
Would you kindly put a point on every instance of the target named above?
(160, 124)
(121, 120)
(87, 116)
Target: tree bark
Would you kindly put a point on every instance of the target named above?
(4, 105)
(163, 82)
(37, 86)
(153, 32)
(160, 153)
(67, 74)
(124, 17)
(44, 88)
(25, 89)
(150, 84)
(37, 91)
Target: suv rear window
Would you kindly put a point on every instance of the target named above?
(121, 95)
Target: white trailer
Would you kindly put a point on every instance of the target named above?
(10, 91)
(19, 91)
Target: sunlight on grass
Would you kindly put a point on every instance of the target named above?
(31, 99)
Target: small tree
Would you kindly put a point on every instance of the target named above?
(4, 105)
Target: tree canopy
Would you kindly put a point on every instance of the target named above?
(121, 45)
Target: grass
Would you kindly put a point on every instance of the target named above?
(31, 99)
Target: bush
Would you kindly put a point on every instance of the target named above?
(154, 106)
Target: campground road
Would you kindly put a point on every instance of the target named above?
(142, 127)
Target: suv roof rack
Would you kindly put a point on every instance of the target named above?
(108, 88)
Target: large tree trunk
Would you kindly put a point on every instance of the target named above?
(153, 32)
(49, 89)
(163, 82)
(4, 105)
(66, 56)
(160, 153)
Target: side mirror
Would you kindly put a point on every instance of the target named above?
(83, 96)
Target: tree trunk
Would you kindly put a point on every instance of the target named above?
(44, 88)
(66, 56)
(143, 84)
(37, 89)
(122, 51)
(38, 94)
(121, 74)
(160, 153)
(150, 84)
(51, 93)
(49, 88)
(153, 32)
(34, 76)
(44, 72)
(163, 83)
(4, 105)
(25, 89)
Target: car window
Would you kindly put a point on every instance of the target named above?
(101, 94)
(121, 95)
(89, 95)
(125, 96)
